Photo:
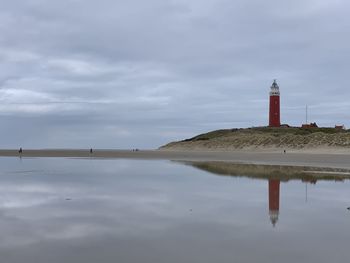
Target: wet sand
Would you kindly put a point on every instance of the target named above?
(330, 160)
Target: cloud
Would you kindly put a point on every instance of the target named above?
(162, 70)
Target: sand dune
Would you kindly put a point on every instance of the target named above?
(268, 139)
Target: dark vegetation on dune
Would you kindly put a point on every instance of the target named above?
(273, 131)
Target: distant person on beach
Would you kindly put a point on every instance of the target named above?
(20, 150)
(90, 150)
(284, 151)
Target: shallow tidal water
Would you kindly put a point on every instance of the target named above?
(98, 210)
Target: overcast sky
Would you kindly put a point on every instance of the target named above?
(136, 73)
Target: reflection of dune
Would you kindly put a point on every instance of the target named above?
(274, 174)
(283, 173)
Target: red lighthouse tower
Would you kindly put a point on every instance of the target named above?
(274, 117)
(274, 200)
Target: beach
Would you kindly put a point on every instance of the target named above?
(310, 159)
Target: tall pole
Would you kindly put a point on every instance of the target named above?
(306, 113)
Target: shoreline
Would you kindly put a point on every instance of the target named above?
(295, 158)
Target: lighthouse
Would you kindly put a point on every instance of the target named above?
(274, 200)
(274, 117)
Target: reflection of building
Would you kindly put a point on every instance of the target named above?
(274, 116)
(274, 200)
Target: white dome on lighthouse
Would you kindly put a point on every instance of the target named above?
(275, 89)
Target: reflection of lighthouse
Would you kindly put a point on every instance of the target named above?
(274, 200)
(274, 117)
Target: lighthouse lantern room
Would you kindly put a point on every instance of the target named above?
(274, 117)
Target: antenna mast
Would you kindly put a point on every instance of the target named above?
(306, 114)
